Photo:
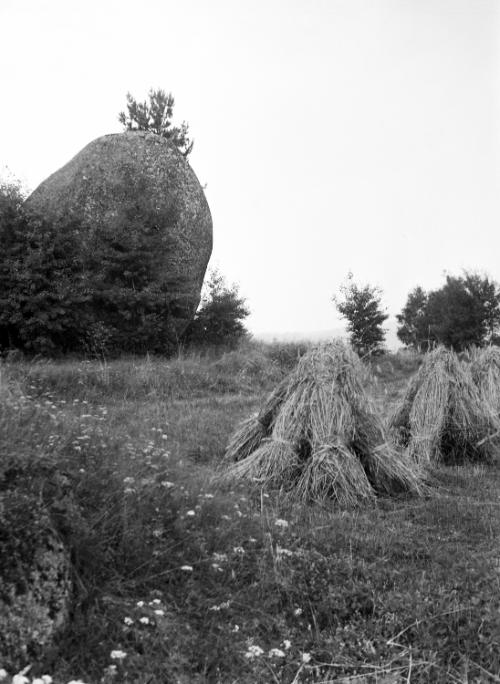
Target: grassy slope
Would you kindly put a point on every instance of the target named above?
(123, 455)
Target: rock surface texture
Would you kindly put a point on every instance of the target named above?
(35, 586)
(123, 179)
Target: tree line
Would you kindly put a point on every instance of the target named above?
(56, 299)
(50, 293)
(463, 312)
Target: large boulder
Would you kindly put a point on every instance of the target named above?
(35, 584)
(118, 183)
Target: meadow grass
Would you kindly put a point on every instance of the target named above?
(179, 580)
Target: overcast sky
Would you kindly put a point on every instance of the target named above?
(332, 135)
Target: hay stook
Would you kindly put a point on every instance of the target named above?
(485, 372)
(318, 436)
(443, 417)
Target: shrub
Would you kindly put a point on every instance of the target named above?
(219, 319)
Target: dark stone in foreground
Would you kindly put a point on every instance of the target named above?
(35, 585)
(127, 179)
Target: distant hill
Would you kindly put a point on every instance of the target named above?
(392, 341)
(295, 336)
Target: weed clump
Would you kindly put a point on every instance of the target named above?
(318, 436)
(444, 417)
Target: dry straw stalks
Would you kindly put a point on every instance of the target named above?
(449, 413)
(318, 436)
(485, 372)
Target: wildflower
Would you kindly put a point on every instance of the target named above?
(287, 644)
(226, 604)
(157, 533)
(208, 496)
(276, 653)
(164, 436)
(253, 652)
(3, 674)
(167, 484)
(236, 628)
(190, 513)
(117, 655)
(297, 612)
(20, 679)
(216, 566)
(128, 480)
(111, 670)
(128, 621)
(283, 552)
(140, 604)
(252, 540)
(37, 680)
(187, 568)
(225, 517)
(155, 602)
(76, 681)
(306, 657)
(159, 612)
(220, 557)
(281, 523)
(47, 679)
(144, 620)
(239, 550)
(129, 490)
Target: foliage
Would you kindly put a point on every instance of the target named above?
(462, 313)
(40, 300)
(156, 116)
(219, 319)
(59, 294)
(360, 305)
(413, 331)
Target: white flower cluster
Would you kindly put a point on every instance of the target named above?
(21, 678)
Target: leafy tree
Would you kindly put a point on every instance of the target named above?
(156, 116)
(39, 298)
(464, 312)
(109, 294)
(413, 330)
(133, 295)
(219, 319)
(360, 305)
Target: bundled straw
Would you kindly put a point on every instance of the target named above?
(318, 436)
(485, 372)
(443, 417)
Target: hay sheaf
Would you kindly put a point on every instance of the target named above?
(485, 372)
(318, 436)
(443, 417)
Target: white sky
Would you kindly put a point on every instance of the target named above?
(333, 135)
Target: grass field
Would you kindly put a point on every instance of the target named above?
(194, 583)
